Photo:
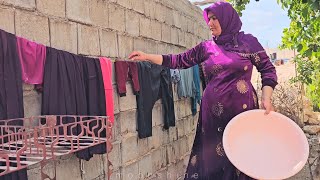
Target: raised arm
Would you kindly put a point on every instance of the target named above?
(174, 61)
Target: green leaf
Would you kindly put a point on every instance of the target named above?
(299, 48)
(315, 5)
(305, 13)
(308, 52)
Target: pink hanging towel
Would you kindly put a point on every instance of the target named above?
(32, 58)
(106, 67)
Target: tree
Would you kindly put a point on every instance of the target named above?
(303, 35)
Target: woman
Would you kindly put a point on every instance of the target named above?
(227, 61)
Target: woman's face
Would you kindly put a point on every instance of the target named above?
(214, 24)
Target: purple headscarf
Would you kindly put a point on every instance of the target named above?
(231, 38)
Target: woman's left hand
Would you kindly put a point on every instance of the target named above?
(267, 105)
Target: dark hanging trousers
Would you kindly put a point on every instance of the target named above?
(11, 94)
(155, 83)
(73, 85)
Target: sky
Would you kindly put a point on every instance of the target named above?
(265, 20)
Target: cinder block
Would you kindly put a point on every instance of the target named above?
(171, 154)
(157, 115)
(179, 108)
(181, 38)
(132, 23)
(169, 3)
(203, 32)
(129, 101)
(31, 103)
(194, 40)
(48, 169)
(144, 147)
(184, 23)
(32, 27)
(131, 172)
(149, 10)
(109, 43)
(128, 121)
(188, 106)
(7, 19)
(145, 167)
(116, 17)
(183, 146)
(168, 16)
(190, 25)
(162, 49)
(160, 12)
(165, 136)
(166, 33)
(125, 46)
(177, 19)
(78, 10)
(64, 35)
(151, 46)
(129, 149)
(190, 141)
(145, 26)
(116, 175)
(73, 168)
(188, 125)
(173, 134)
(177, 49)
(34, 173)
(99, 13)
(139, 44)
(156, 30)
(114, 156)
(138, 5)
(155, 141)
(180, 127)
(88, 38)
(115, 99)
(159, 159)
(26, 4)
(160, 175)
(177, 150)
(188, 38)
(93, 168)
(177, 171)
(197, 29)
(174, 35)
(53, 8)
(125, 3)
(116, 135)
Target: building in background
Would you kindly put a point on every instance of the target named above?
(281, 55)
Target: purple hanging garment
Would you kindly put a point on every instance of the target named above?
(32, 58)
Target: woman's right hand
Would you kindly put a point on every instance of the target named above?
(138, 55)
(141, 56)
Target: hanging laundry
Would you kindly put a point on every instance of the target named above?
(175, 75)
(11, 94)
(32, 58)
(125, 71)
(155, 83)
(106, 67)
(186, 87)
(73, 85)
(197, 95)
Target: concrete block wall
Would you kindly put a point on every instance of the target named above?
(113, 28)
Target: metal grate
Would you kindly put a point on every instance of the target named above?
(28, 141)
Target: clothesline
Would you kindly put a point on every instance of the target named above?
(112, 60)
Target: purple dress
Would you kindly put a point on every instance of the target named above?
(228, 92)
